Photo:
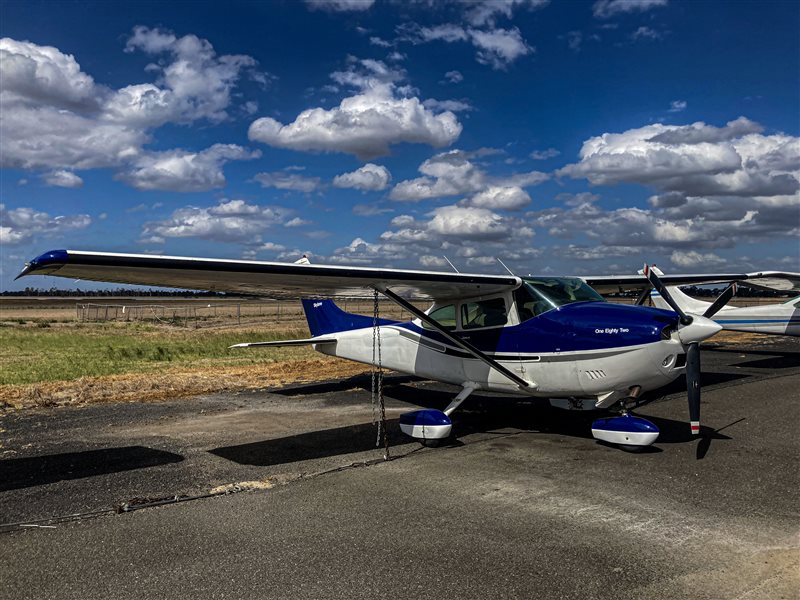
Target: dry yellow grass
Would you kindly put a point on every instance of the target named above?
(180, 383)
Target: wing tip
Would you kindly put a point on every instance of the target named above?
(45, 263)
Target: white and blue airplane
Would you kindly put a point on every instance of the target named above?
(781, 318)
(550, 337)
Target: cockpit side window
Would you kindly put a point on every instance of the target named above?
(444, 315)
(483, 313)
(529, 303)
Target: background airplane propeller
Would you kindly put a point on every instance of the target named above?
(723, 299)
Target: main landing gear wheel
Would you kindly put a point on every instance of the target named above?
(429, 426)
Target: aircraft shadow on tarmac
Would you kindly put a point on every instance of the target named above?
(357, 381)
(478, 414)
(16, 473)
(771, 360)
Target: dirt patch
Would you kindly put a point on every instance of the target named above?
(152, 387)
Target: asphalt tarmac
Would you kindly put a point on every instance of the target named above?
(523, 503)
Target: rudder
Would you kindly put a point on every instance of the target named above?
(324, 317)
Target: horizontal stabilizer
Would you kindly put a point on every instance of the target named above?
(305, 342)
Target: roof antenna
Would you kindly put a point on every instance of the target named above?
(505, 267)
(451, 264)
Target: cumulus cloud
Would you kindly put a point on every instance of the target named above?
(604, 9)
(184, 171)
(500, 198)
(496, 47)
(474, 234)
(698, 133)
(64, 140)
(486, 12)
(574, 40)
(677, 106)
(499, 47)
(365, 124)
(695, 160)
(79, 124)
(646, 33)
(21, 225)
(451, 105)
(467, 222)
(370, 177)
(689, 224)
(447, 174)
(696, 259)
(340, 5)
(544, 154)
(454, 173)
(62, 178)
(453, 77)
(370, 210)
(227, 221)
(429, 260)
(289, 181)
(44, 74)
(197, 83)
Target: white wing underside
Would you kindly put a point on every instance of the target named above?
(292, 280)
(277, 280)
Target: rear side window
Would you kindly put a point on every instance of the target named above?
(445, 316)
(483, 313)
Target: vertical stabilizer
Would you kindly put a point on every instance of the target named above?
(325, 317)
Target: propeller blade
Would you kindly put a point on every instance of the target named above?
(693, 385)
(656, 282)
(723, 299)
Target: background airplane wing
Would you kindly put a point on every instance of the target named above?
(766, 280)
(277, 280)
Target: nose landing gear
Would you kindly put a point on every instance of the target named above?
(626, 430)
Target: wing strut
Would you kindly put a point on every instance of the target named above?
(457, 340)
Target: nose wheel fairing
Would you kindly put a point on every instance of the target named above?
(625, 430)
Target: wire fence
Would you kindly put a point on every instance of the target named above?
(215, 314)
(205, 314)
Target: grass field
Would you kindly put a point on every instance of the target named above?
(33, 354)
(58, 361)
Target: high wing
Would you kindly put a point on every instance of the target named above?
(278, 280)
(765, 280)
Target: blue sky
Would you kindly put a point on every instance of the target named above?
(562, 137)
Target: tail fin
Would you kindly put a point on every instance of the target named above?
(324, 317)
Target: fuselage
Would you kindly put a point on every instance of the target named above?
(584, 349)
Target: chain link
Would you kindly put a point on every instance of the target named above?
(377, 381)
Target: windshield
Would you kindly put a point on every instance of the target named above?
(540, 294)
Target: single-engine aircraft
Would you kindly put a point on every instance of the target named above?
(551, 337)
